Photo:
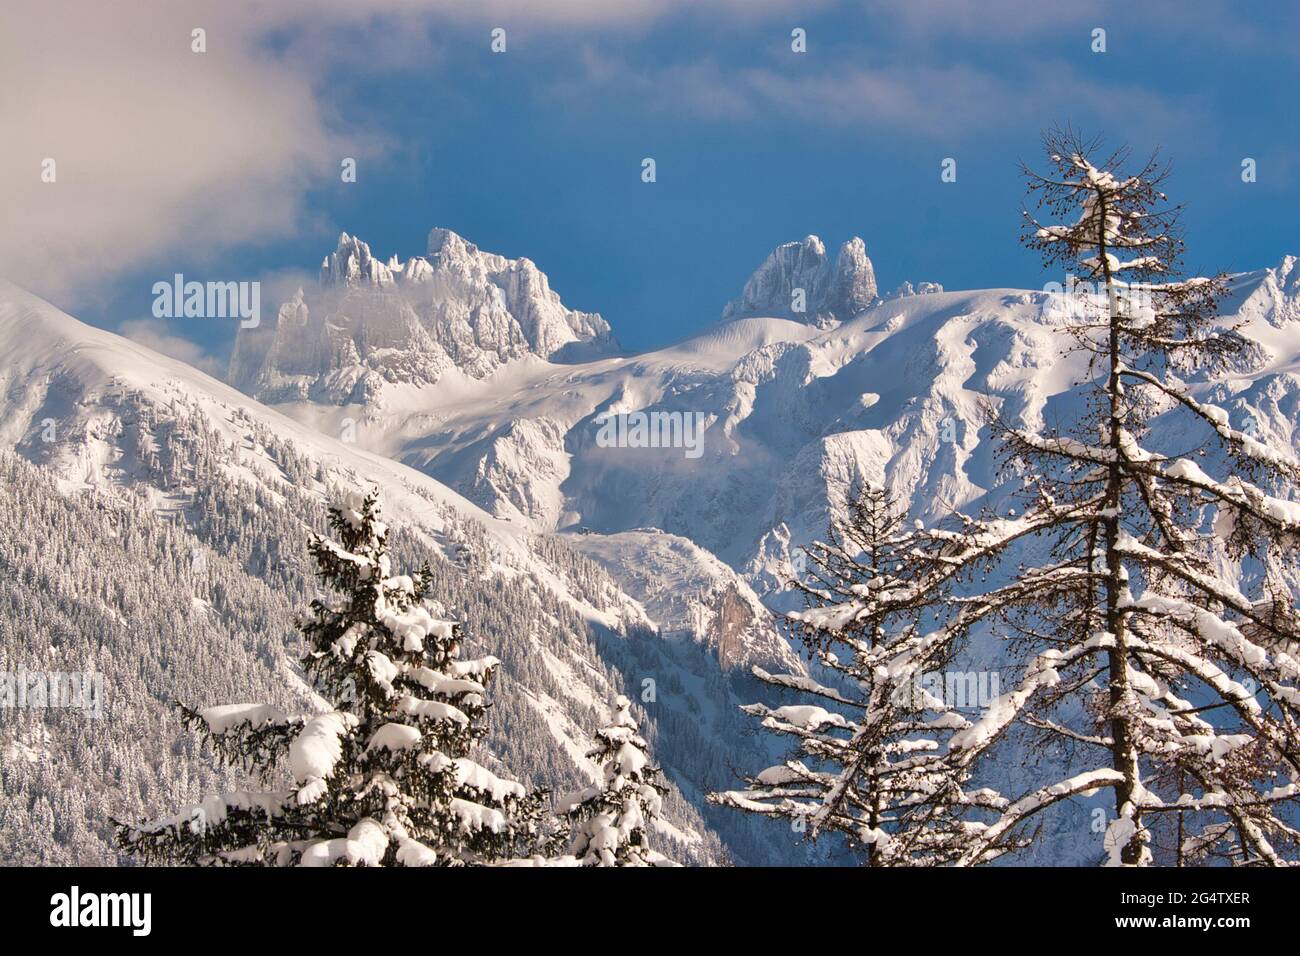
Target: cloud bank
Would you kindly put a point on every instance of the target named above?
(156, 148)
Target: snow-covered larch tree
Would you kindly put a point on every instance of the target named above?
(870, 745)
(383, 776)
(1139, 652)
(613, 819)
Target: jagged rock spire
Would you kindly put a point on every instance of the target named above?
(832, 290)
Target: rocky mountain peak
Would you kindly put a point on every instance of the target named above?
(352, 264)
(445, 243)
(800, 281)
(372, 322)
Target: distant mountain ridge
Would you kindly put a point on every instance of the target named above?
(799, 407)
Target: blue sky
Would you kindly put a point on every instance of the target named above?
(537, 152)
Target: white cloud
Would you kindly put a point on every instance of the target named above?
(155, 146)
(935, 101)
(279, 287)
(158, 148)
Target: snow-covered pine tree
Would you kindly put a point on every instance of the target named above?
(1139, 653)
(869, 761)
(383, 777)
(612, 820)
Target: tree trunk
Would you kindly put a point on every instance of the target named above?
(1123, 751)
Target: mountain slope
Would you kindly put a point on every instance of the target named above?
(223, 483)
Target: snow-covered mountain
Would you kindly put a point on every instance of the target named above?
(794, 415)
(95, 424)
(371, 322)
(629, 558)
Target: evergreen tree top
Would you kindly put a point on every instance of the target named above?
(385, 775)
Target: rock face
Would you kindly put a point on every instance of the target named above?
(690, 594)
(372, 322)
(800, 281)
(921, 288)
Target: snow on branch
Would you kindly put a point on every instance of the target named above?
(1030, 804)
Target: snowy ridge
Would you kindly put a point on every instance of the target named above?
(796, 416)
